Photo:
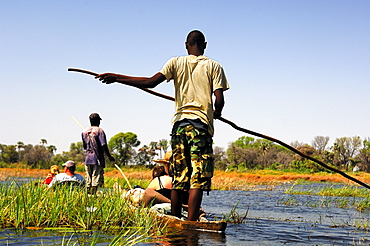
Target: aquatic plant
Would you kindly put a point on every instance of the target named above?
(234, 216)
(339, 196)
(289, 201)
(362, 223)
(109, 182)
(23, 206)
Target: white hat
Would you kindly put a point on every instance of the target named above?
(69, 164)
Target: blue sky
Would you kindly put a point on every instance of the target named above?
(297, 69)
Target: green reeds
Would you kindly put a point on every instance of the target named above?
(344, 191)
(30, 205)
(234, 216)
(109, 182)
(343, 196)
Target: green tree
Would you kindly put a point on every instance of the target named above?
(122, 146)
(244, 142)
(37, 156)
(59, 159)
(8, 153)
(153, 147)
(241, 158)
(52, 148)
(143, 157)
(163, 146)
(76, 152)
(220, 158)
(364, 156)
(20, 145)
(249, 153)
(345, 149)
(320, 143)
(303, 164)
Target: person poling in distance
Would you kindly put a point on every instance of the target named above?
(196, 78)
(95, 144)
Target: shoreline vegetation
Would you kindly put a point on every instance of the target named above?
(222, 180)
(62, 208)
(33, 207)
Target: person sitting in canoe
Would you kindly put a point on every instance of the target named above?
(54, 170)
(159, 189)
(69, 175)
(161, 181)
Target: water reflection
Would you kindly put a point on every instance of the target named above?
(194, 238)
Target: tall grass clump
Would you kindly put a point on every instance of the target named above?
(109, 182)
(343, 196)
(234, 216)
(30, 205)
(344, 191)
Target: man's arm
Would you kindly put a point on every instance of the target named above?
(219, 103)
(140, 82)
(106, 150)
(83, 141)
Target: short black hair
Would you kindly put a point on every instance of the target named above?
(196, 37)
(72, 168)
(94, 118)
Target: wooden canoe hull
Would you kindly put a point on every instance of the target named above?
(174, 222)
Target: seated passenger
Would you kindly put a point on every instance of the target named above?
(68, 176)
(54, 170)
(161, 182)
(159, 189)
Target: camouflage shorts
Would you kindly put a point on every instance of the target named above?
(191, 164)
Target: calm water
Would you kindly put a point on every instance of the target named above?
(269, 222)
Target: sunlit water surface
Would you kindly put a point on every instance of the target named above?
(273, 218)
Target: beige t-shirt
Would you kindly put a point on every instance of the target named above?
(195, 80)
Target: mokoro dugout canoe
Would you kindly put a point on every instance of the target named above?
(176, 223)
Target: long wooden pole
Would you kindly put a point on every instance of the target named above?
(250, 132)
(124, 176)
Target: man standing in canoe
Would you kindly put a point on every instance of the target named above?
(196, 78)
(95, 143)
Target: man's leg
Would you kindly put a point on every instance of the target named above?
(95, 178)
(176, 202)
(88, 178)
(195, 200)
(200, 144)
(178, 169)
(101, 177)
(93, 190)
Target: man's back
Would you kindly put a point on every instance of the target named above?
(93, 138)
(195, 79)
(63, 177)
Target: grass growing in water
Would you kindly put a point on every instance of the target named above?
(344, 196)
(23, 206)
(345, 191)
(234, 216)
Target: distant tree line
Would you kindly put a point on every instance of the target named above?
(122, 146)
(246, 153)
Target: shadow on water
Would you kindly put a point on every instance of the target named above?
(304, 220)
(194, 238)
